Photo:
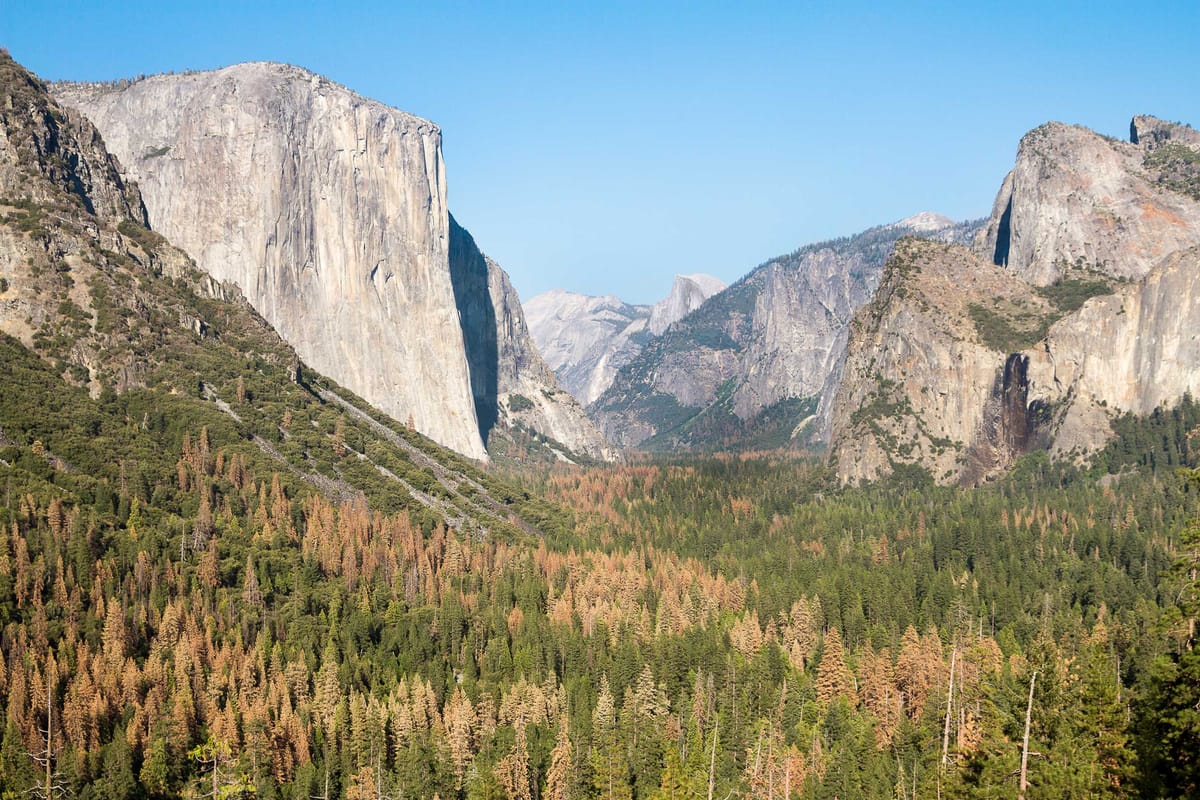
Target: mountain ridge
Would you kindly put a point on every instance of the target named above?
(329, 210)
(1092, 275)
(587, 338)
(770, 345)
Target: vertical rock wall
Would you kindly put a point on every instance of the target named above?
(327, 209)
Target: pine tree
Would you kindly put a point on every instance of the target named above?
(116, 780)
(834, 678)
(609, 760)
(560, 783)
(459, 719)
(1168, 710)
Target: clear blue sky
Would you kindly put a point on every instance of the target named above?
(602, 147)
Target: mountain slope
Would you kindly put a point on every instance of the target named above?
(587, 339)
(118, 351)
(1078, 305)
(756, 364)
(329, 211)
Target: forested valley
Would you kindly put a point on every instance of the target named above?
(185, 616)
(223, 575)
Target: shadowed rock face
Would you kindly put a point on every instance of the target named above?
(326, 208)
(504, 362)
(469, 276)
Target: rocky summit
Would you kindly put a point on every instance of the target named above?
(329, 211)
(1078, 304)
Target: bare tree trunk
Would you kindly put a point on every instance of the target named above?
(49, 738)
(712, 759)
(949, 705)
(1024, 781)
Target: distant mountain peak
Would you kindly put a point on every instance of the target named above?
(688, 292)
(924, 222)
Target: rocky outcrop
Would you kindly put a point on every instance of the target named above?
(83, 282)
(962, 362)
(586, 339)
(511, 384)
(688, 292)
(1152, 133)
(921, 386)
(757, 364)
(1079, 199)
(327, 209)
(40, 137)
(1132, 351)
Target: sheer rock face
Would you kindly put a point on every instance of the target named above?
(919, 386)
(1132, 351)
(586, 339)
(775, 338)
(327, 209)
(688, 292)
(924, 385)
(1078, 198)
(510, 382)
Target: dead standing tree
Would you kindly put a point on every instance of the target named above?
(51, 784)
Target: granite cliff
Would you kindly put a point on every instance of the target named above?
(757, 363)
(1078, 303)
(1076, 198)
(688, 292)
(587, 339)
(329, 211)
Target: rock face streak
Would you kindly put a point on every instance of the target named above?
(327, 209)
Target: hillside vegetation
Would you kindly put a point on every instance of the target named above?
(222, 575)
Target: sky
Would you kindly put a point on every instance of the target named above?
(604, 147)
